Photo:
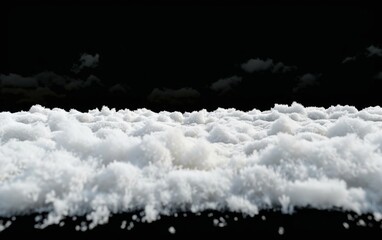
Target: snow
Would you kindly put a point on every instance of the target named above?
(171, 230)
(281, 231)
(102, 162)
(346, 225)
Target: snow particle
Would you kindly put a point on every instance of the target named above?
(171, 230)
(346, 225)
(281, 231)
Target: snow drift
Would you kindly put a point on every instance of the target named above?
(104, 161)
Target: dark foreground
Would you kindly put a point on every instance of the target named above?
(270, 224)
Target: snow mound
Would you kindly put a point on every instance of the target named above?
(103, 162)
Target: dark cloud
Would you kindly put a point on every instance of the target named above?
(92, 81)
(282, 68)
(349, 59)
(378, 76)
(33, 96)
(51, 79)
(307, 80)
(370, 52)
(256, 65)
(117, 89)
(86, 61)
(78, 84)
(44, 88)
(224, 85)
(182, 96)
(17, 81)
(374, 51)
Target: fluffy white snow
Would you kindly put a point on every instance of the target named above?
(104, 161)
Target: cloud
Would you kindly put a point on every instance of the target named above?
(374, 51)
(39, 88)
(349, 59)
(78, 84)
(378, 76)
(226, 84)
(51, 79)
(370, 51)
(229, 161)
(92, 81)
(281, 67)
(255, 65)
(17, 89)
(307, 80)
(29, 96)
(173, 96)
(86, 61)
(48, 79)
(42, 87)
(117, 89)
(17, 81)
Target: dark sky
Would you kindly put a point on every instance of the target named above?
(188, 55)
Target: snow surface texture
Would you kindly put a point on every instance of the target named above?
(105, 161)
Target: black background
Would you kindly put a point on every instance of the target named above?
(145, 45)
